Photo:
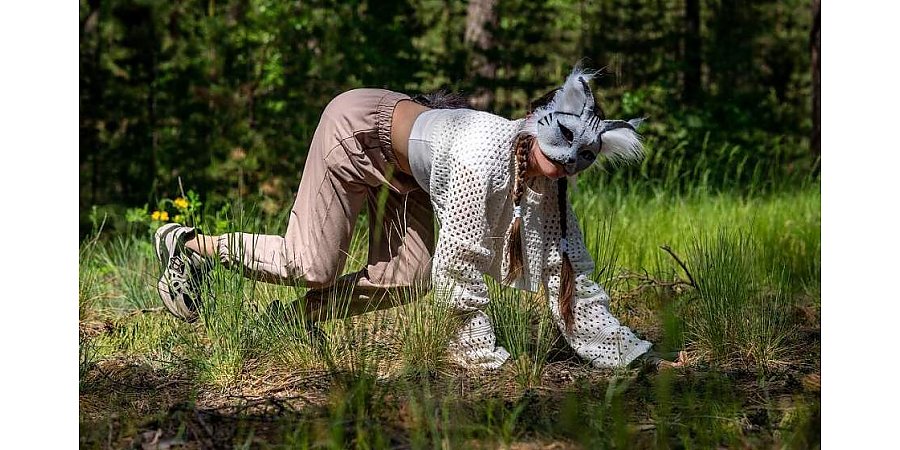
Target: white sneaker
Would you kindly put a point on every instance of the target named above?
(182, 271)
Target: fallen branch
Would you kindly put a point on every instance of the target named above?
(646, 281)
(671, 252)
(143, 311)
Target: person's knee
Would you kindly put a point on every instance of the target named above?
(419, 279)
(418, 285)
(319, 278)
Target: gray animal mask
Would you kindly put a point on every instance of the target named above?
(572, 130)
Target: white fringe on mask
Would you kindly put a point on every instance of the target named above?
(622, 146)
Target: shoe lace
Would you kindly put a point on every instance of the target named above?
(178, 272)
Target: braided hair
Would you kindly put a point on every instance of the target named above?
(567, 272)
(521, 150)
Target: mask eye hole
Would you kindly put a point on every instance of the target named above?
(567, 133)
(587, 155)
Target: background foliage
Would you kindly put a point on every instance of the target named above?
(225, 95)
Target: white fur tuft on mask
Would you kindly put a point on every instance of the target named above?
(622, 146)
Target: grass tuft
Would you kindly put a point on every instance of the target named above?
(738, 318)
(525, 327)
(423, 329)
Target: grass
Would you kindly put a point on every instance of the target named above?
(745, 303)
(739, 317)
(525, 328)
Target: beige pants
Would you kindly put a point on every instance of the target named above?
(350, 163)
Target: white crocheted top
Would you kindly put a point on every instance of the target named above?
(470, 182)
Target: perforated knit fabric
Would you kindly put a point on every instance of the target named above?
(471, 177)
(596, 334)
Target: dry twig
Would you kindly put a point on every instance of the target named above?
(143, 311)
(671, 252)
(646, 281)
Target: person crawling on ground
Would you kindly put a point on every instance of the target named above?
(497, 188)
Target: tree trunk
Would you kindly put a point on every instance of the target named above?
(815, 44)
(693, 59)
(481, 17)
(93, 105)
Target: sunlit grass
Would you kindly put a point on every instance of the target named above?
(623, 232)
(423, 328)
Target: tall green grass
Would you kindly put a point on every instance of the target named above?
(524, 326)
(752, 257)
(422, 330)
(90, 283)
(623, 232)
(742, 314)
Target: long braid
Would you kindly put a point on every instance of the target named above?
(567, 272)
(516, 258)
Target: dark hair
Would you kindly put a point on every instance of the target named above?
(542, 100)
(566, 271)
(442, 100)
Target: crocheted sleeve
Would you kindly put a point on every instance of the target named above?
(462, 256)
(597, 335)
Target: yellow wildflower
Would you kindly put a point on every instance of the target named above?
(178, 218)
(181, 203)
(161, 216)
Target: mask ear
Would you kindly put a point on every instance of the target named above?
(620, 142)
(589, 96)
(611, 125)
(575, 95)
(635, 123)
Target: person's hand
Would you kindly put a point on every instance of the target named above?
(680, 362)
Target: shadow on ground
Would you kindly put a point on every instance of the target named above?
(129, 404)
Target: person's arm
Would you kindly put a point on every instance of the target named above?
(462, 255)
(597, 336)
